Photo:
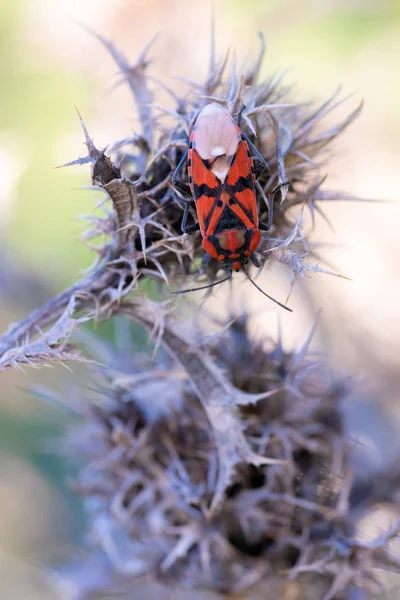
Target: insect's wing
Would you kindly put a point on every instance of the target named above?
(241, 183)
(204, 186)
(216, 138)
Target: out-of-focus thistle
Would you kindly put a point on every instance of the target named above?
(222, 463)
(261, 499)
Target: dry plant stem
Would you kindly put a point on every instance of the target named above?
(40, 318)
(84, 293)
(50, 346)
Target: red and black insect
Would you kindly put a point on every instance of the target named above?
(222, 177)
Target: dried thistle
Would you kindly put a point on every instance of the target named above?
(222, 463)
(261, 498)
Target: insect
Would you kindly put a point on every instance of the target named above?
(222, 178)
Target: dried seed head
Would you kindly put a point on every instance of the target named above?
(156, 460)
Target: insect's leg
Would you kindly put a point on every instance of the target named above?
(179, 167)
(188, 228)
(265, 226)
(255, 260)
(239, 118)
(258, 169)
(182, 187)
(271, 201)
(206, 259)
(278, 188)
(252, 147)
(271, 210)
(185, 189)
(191, 228)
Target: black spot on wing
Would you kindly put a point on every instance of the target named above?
(243, 183)
(204, 190)
(228, 221)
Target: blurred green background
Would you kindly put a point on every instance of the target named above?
(49, 64)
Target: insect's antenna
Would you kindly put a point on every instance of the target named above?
(205, 287)
(265, 293)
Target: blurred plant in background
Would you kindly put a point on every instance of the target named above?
(52, 213)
